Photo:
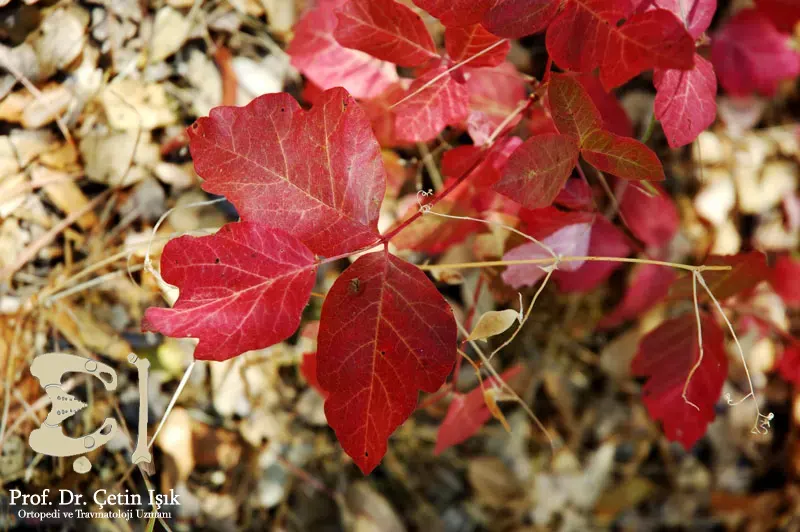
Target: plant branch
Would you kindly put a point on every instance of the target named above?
(553, 260)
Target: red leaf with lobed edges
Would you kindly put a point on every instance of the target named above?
(466, 42)
(538, 170)
(385, 334)
(652, 218)
(785, 14)
(317, 175)
(666, 357)
(621, 156)
(747, 270)
(457, 12)
(385, 29)
(467, 413)
(750, 55)
(516, 18)
(316, 54)
(648, 285)
(686, 101)
(785, 280)
(445, 102)
(242, 288)
(644, 41)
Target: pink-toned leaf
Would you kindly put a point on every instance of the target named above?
(750, 55)
(385, 334)
(538, 169)
(385, 29)
(785, 279)
(457, 12)
(785, 14)
(615, 119)
(606, 241)
(621, 156)
(652, 218)
(242, 288)
(648, 285)
(685, 101)
(318, 175)
(516, 18)
(494, 93)
(464, 43)
(424, 115)
(571, 107)
(316, 54)
(571, 240)
(747, 270)
(666, 357)
(644, 41)
(381, 115)
(467, 413)
(696, 15)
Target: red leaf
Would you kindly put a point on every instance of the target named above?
(385, 29)
(308, 367)
(750, 55)
(423, 116)
(686, 101)
(573, 111)
(785, 280)
(570, 240)
(516, 18)
(242, 288)
(494, 93)
(615, 119)
(652, 218)
(606, 241)
(467, 413)
(645, 41)
(785, 14)
(324, 61)
(666, 357)
(538, 169)
(748, 269)
(385, 333)
(621, 156)
(467, 41)
(317, 175)
(576, 195)
(696, 15)
(648, 285)
(457, 12)
(789, 364)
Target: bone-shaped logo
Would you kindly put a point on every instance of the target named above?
(49, 439)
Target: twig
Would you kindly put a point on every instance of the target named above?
(490, 263)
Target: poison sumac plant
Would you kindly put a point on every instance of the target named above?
(309, 187)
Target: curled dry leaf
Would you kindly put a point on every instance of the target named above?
(493, 323)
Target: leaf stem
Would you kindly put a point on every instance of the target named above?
(553, 260)
(651, 126)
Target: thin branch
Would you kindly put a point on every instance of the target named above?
(492, 263)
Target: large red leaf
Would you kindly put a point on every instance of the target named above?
(621, 156)
(385, 334)
(686, 101)
(606, 241)
(666, 357)
(467, 413)
(494, 93)
(317, 175)
(586, 35)
(571, 107)
(242, 288)
(385, 29)
(316, 54)
(785, 280)
(516, 18)
(424, 115)
(648, 285)
(750, 55)
(785, 14)
(538, 169)
(747, 270)
(696, 15)
(653, 218)
(457, 12)
(465, 42)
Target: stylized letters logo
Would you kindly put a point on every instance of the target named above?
(49, 439)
